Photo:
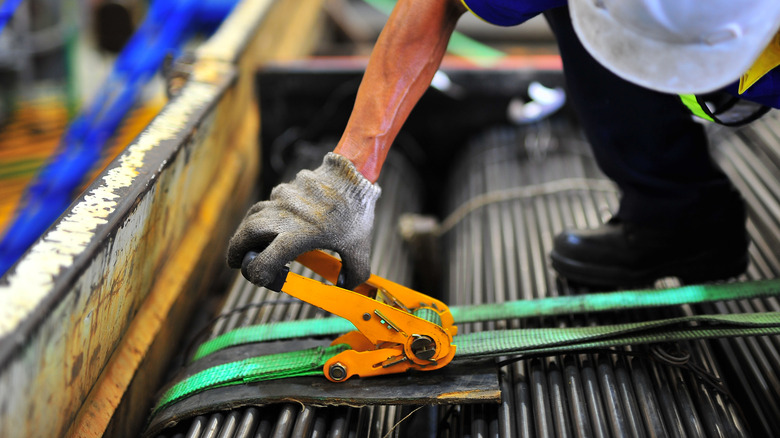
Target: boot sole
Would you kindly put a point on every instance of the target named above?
(703, 268)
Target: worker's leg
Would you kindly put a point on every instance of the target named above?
(674, 199)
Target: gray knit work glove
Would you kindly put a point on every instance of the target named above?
(331, 207)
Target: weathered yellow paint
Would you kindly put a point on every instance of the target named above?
(119, 273)
(64, 355)
(51, 375)
(74, 311)
(153, 314)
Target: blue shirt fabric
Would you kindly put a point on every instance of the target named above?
(510, 12)
(766, 91)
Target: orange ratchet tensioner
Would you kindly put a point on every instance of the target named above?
(398, 328)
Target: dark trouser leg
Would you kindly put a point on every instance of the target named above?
(679, 214)
(643, 140)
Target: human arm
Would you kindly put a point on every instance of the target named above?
(332, 207)
(405, 58)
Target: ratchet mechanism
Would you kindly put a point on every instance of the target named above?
(398, 329)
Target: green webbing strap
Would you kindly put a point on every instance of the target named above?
(274, 331)
(598, 302)
(491, 344)
(554, 340)
(550, 306)
(255, 369)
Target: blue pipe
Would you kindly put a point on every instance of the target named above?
(7, 11)
(167, 26)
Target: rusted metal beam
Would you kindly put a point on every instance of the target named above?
(88, 314)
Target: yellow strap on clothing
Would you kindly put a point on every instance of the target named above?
(766, 62)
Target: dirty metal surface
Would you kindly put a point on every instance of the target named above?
(122, 394)
(69, 300)
(65, 307)
(120, 401)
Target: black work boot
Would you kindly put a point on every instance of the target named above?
(619, 254)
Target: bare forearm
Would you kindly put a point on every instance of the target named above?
(405, 58)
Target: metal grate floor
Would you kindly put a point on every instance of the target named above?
(498, 252)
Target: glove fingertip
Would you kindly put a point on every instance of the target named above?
(233, 259)
(258, 273)
(267, 265)
(351, 277)
(237, 249)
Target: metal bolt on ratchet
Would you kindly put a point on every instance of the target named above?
(398, 329)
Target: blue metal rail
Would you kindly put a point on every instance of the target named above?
(168, 25)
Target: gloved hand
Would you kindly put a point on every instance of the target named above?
(331, 207)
